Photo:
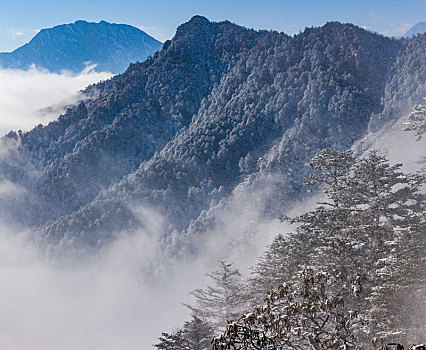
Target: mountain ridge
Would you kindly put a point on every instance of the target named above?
(220, 108)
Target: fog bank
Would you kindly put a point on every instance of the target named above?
(25, 95)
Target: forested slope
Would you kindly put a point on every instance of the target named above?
(220, 109)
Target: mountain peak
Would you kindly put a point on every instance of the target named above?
(200, 27)
(198, 19)
(418, 28)
(219, 104)
(82, 22)
(79, 22)
(66, 47)
(195, 24)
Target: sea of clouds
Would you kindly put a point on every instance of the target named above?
(125, 296)
(35, 96)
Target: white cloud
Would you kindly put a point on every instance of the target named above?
(111, 301)
(130, 292)
(25, 95)
(19, 34)
(9, 189)
(397, 145)
(126, 295)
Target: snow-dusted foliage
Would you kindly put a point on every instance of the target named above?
(221, 301)
(308, 312)
(370, 223)
(194, 335)
(406, 84)
(417, 121)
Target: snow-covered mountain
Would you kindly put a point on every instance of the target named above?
(419, 28)
(72, 46)
(220, 110)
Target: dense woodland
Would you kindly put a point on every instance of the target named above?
(220, 108)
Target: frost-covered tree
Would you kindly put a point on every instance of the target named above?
(194, 335)
(366, 194)
(369, 223)
(417, 121)
(221, 301)
(289, 254)
(309, 312)
(389, 213)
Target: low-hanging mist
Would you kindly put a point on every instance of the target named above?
(34, 96)
(126, 294)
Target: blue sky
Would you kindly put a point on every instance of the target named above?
(21, 19)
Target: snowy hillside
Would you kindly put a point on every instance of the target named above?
(220, 109)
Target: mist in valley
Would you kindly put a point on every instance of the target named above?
(36, 96)
(126, 294)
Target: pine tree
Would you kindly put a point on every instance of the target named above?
(222, 301)
(409, 276)
(194, 335)
(370, 223)
(289, 254)
(371, 207)
(417, 121)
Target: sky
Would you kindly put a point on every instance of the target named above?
(20, 20)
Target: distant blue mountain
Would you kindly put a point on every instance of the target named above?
(418, 28)
(71, 46)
